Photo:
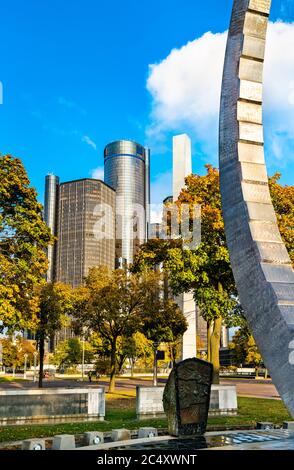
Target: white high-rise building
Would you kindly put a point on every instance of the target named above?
(182, 162)
(182, 167)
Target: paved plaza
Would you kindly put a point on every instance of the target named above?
(245, 387)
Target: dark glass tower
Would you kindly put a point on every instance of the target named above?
(51, 217)
(78, 248)
(127, 170)
(71, 213)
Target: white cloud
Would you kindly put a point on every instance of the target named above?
(98, 173)
(89, 141)
(185, 89)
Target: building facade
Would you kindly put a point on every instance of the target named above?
(154, 231)
(182, 162)
(84, 215)
(127, 171)
(182, 167)
(82, 244)
(51, 219)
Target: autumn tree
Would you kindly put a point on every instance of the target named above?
(14, 351)
(245, 348)
(110, 305)
(70, 353)
(206, 270)
(24, 237)
(283, 201)
(139, 349)
(55, 303)
(162, 322)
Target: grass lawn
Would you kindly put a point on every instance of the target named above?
(121, 414)
(12, 379)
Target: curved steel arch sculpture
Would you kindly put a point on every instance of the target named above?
(260, 262)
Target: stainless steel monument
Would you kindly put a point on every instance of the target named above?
(260, 262)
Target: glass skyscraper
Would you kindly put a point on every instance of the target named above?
(127, 170)
(78, 248)
(85, 231)
(51, 217)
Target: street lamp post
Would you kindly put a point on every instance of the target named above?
(35, 365)
(25, 366)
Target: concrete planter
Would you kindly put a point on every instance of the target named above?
(223, 401)
(51, 405)
(149, 402)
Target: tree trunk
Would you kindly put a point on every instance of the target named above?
(41, 360)
(174, 355)
(214, 348)
(209, 333)
(112, 368)
(132, 362)
(120, 364)
(256, 372)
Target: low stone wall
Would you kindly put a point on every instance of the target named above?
(223, 401)
(51, 405)
(149, 402)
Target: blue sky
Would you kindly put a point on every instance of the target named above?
(76, 75)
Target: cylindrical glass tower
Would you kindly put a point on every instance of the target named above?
(50, 217)
(126, 169)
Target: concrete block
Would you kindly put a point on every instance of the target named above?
(96, 403)
(276, 273)
(93, 438)
(254, 172)
(263, 230)
(147, 432)
(34, 444)
(64, 442)
(265, 425)
(254, 47)
(249, 112)
(120, 435)
(251, 91)
(257, 211)
(223, 400)
(256, 193)
(250, 152)
(149, 402)
(284, 292)
(51, 405)
(255, 25)
(260, 5)
(288, 425)
(251, 132)
(250, 70)
(273, 252)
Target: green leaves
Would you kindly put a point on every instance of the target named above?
(24, 237)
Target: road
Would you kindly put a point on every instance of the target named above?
(245, 387)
